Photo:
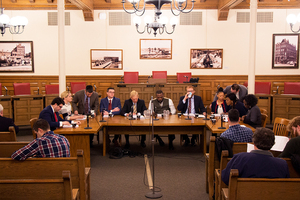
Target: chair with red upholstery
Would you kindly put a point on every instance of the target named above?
(262, 87)
(76, 86)
(52, 89)
(22, 89)
(159, 75)
(291, 88)
(131, 77)
(181, 77)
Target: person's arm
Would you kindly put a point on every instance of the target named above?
(289, 149)
(95, 103)
(47, 115)
(125, 110)
(226, 171)
(27, 151)
(74, 103)
(201, 106)
(172, 107)
(117, 109)
(143, 107)
(181, 105)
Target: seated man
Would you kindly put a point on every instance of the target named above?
(46, 145)
(293, 146)
(50, 114)
(191, 103)
(259, 163)
(160, 104)
(5, 122)
(133, 106)
(239, 90)
(235, 132)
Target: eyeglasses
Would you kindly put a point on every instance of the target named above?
(60, 106)
(111, 92)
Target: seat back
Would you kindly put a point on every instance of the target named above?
(182, 79)
(262, 87)
(159, 75)
(52, 89)
(8, 136)
(291, 88)
(263, 111)
(76, 86)
(32, 121)
(22, 89)
(131, 77)
(8, 148)
(279, 127)
(264, 118)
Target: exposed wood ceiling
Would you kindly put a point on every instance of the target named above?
(88, 6)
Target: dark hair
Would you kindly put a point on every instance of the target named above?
(42, 124)
(233, 98)
(263, 138)
(235, 87)
(110, 88)
(220, 90)
(89, 88)
(58, 101)
(159, 92)
(233, 115)
(251, 100)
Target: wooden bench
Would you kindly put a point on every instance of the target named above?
(8, 148)
(46, 189)
(48, 168)
(219, 184)
(8, 136)
(260, 188)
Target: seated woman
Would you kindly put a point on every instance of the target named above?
(253, 117)
(233, 102)
(66, 110)
(219, 106)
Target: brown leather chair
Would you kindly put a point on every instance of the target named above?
(8, 136)
(279, 127)
(32, 121)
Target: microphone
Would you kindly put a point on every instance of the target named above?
(206, 114)
(131, 113)
(186, 79)
(221, 123)
(121, 79)
(218, 86)
(88, 121)
(68, 88)
(148, 80)
(95, 87)
(5, 90)
(102, 114)
(38, 90)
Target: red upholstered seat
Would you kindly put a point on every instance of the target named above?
(22, 89)
(292, 88)
(131, 77)
(52, 89)
(181, 78)
(76, 86)
(261, 87)
(0, 88)
(159, 74)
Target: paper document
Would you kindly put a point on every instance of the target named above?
(280, 142)
(69, 126)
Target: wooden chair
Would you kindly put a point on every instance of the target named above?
(260, 188)
(8, 148)
(9, 136)
(264, 118)
(279, 127)
(46, 189)
(263, 111)
(32, 121)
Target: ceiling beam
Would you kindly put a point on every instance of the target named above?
(87, 7)
(224, 7)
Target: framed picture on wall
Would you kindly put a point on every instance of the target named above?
(206, 59)
(109, 59)
(285, 51)
(16, 56)
(155, 48)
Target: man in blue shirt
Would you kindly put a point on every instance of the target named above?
(236, 132)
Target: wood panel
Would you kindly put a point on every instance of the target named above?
(286, 106)
(5, 101)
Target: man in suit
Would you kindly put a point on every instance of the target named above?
(239, 90)
(85, 100)
(133, 106)
(5, 122)
(190, 103)
(50, 114)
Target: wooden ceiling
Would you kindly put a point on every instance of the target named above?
(88, 6)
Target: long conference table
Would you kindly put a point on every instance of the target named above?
(79, 137)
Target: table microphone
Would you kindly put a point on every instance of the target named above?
(102, 114)
(222, 127)
(88, 121)
(5, 90)
(206, 114)
(38, 90)
(68, 88)
(95, 87)
(187, 78)
(131, 113)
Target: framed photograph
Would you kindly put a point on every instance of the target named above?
(285, 51)
(16, 56)
(206, 59)
(107, 59)
(155, 48)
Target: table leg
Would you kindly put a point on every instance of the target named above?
(104, 140)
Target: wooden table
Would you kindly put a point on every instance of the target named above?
(79, 138)
(214, 128)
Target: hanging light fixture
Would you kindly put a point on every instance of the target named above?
(292, 19)
(15, 25)
(159, 24)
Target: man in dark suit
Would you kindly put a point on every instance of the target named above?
(190, 103)
(239, 90)
(85, 100)
(50, 114)
(5, 122)
(133, 106)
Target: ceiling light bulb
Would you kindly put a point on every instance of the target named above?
(174, 21)
(291, 19)
(137, 20)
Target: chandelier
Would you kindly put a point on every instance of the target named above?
(159, 23)
(292, 19)
(15, 25)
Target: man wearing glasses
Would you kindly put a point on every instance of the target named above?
(50, 114)
(110, 103)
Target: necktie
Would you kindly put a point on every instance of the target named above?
(190, 106)
(55, 117)
(134, 108)
(86, 107)
(109, 105)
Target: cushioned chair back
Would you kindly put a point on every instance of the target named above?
(159, 74)
(52, 89)
(22, 89)
(131, 77)
(262, 87)
(181, 78)
(292, 88)
(76, 86)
